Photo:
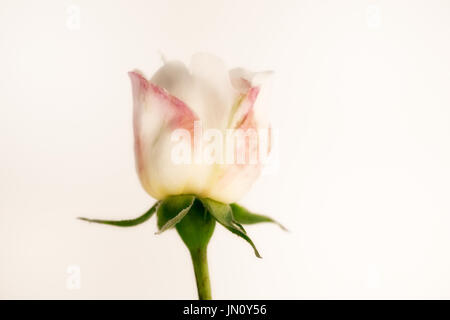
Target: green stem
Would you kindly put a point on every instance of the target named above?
(200, 263)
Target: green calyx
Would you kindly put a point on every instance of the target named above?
(187, 214)
(194, 218)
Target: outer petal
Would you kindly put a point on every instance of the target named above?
(244, 107)
(232, 181)
(244, 80)
(156, 115)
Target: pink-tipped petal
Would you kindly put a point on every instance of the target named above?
(156, 114)
(144, 91)
(233, 180)
(242, 80)
(244, 107)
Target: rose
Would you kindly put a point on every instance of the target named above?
(193, 196)
(175, 98)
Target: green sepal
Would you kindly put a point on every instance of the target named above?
(197, 227)
(222, 212)
(244, 216)
(172, 210)
(126, 223)
(246, 238)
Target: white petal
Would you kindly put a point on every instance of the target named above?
(213, 84)
(156, 115)
(176, 79)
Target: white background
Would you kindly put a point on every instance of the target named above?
(361, 101)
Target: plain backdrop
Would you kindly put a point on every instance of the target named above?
(361, 102)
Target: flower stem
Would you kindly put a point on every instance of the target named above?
(200, 262)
